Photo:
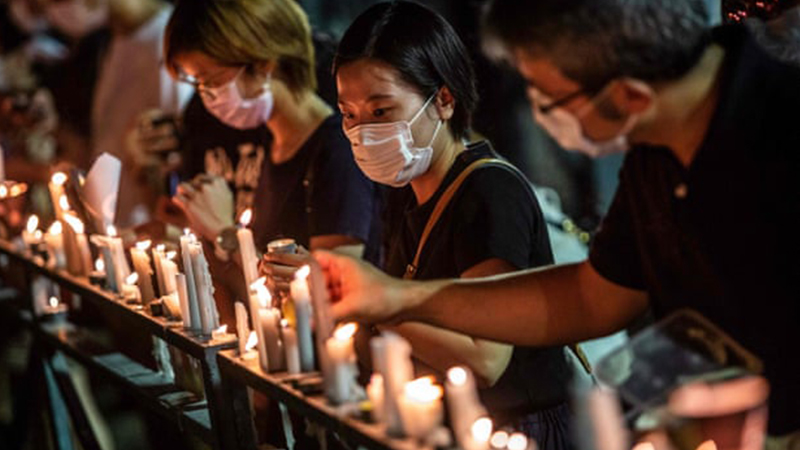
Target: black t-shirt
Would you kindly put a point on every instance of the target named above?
(493, 215)
(717, 236)
(338, 200)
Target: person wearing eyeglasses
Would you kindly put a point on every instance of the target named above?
(253, 64)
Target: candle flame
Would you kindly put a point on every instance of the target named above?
(56, 228)
(100, 265)
(246, 217)
(33, 223)
(144, 245)
(345, 332)
(74, 223)
(457, 375)
(221, 330)
(3, 191)
(171, 255)
(81, 180)
(285, 323)
(37, 234)
(517, 441)
(252, 341)
(302, 273)
(422, 390)
(18, 188)
(53, 301)
(264, 296)
(111, 230)
(59, 178)
(481, 429)
(161, 248)
(187, 232)
(132, 279)
(499, 439)
(63, 202)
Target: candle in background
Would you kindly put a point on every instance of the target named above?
(221, 334)
(517, 441)
(270, 319)
(142, 266)
(499, 440)
(375, 394)
(169, 269)
(193, 319)
(260, 296)
(242, 327)
(421, 407)
(130, 291)
(82, 254)
(292, 352)
(54, 239)
(252, 342)
(302, 309)
(342, 360)
(104, 246)
(480, 432)
(183, 300)
(97, 276)
(121, 269)
(31, 235)
(247, 248)
(209, 320)
(56, 188)
(158, 256)
(463, 403)
(391, 356)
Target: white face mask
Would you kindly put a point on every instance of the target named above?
(75, 19)
(227, 105)
(385, 152)
(567, 130)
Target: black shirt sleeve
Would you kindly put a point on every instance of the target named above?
(614, 253)
(341, 198)
(498, 218)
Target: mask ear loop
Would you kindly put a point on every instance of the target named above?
(419, 113)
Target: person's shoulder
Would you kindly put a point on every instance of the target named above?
(494, 184)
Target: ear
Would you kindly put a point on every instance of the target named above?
(445, 103)
(265, 68)
(632, 96)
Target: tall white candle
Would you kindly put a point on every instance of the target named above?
(375, 394)
(242, 327)
(342, 360)
(292, 353)
(247, 248)
(209, 320)
(270, 319)
(259, 295)
(54, 239)
(183, 299)
(421, 407)
(462, 402)
(83, 255)
(192, 321)
(158, 257)
(302, 309)
(121, 269)
(391, 355)
(169, 269)
(142, 266)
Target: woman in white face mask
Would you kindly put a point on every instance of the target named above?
(252, 63)
(406, 91)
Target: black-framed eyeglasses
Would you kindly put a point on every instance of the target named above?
(562, 101)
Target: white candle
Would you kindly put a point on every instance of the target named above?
(158, 257)
(247, 248)
(56, 188)
(204, 288)
(517, 441)
(121, 269)
(29, 235)
(302, 310)
(252, 341)
(375, 394)
(183, 299)
(391, 355)
(102, 243)
(130, 291)
(292, 353)
(421, 407)
(270, 319)
(259, 295)
(462, 402)
(54, 239)
(242, 327)
(169, 269)
(141, 264)
(499, 440)
(480, 432)
(191, 321)
(342, 359)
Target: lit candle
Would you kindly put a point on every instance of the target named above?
(391, 355)
(292, 353)
(103, 244)
(56, 188)
(81, 259)
(302, 309)
(158, 257)
(221, 334)
(54, 239)
(421, 407)
(269, 351)
(168, 270)
(209, 320)
(499, 440)
(517, 441)
(462, 402)
(183, 299)
(252, 341)
(192, 320)
(480, 432)
(242, 327)
(130, 291)
(141, 264)
(117, 269)
(29, 235)
(97, 276)
(247, 248)
(375, 394)
(342, 359)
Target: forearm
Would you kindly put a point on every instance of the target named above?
(536, 307)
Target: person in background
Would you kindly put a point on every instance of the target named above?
(407, 100)
(711, 173)
(259, 69)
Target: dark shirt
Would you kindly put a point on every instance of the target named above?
(341, 200)
(716, 236)
(493, 215)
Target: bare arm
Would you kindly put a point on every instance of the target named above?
(551, 306)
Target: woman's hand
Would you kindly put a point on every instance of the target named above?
(279, 268)
(208, 204)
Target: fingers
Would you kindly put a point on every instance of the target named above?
(287, 259)
(277, 271)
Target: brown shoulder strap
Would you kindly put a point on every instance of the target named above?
(444, 200)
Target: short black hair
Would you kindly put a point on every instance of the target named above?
(595, 41)
(421, 46)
